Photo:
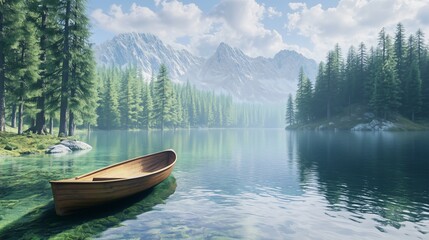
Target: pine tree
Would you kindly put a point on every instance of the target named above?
(386, 89)
(422, 56)
(75, 35)
(108, 109)
(362, 74)
(401, 63)
(66, 57)
(177, 112)
(421, 49)
(11, 17)
(333, 78)
(147, 107)
(82, 65)
(45, 18)
(350, 83)
(164, 100)
(88, 112)
(320, 103)
(83, 97)
(412, 97)
(414, 88)
(303, 98)
(112, 109)
(190, 104)
(289, 111)
(126, 97)
(26, 67)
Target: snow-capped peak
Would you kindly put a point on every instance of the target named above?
(227, 70)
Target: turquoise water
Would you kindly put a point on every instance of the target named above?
(240, 184)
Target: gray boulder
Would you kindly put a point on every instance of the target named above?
(76, 145)
(55, 149)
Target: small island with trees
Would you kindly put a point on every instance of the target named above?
(381, 88)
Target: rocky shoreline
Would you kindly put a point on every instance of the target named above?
(365, 121)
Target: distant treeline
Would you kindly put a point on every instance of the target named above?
(388, 79)
(127, 101)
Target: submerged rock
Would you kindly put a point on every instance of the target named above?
(76, 145)
(58, 149)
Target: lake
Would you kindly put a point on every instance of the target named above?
(236, 183)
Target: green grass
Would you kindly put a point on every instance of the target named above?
(12, 144)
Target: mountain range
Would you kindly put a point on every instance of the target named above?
(228, 70)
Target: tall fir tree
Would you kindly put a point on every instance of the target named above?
(362, 75)
(11, 17)
(26, 66)
(83, 97)
(303, 98)
(321, 91)
(112, 115)
(126, 97)
(44, 17)
(290, 114)
(82, 65)
(65, 16)
(147, 121)
(401, 61)
(75, 35)
(164, 100)
(386, 89)
(422, 56)
(333, 78)
(350, 82)
(412, 97)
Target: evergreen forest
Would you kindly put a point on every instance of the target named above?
(48, 78)
(389, 79)
(47, 70)
(127, 101)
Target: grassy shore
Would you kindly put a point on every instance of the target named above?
(12, 144)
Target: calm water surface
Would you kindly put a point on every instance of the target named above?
(242, 184)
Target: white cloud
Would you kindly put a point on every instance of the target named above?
(272, 12)
(173, 20)
(236, 22)
(297, 5)
(354, 21)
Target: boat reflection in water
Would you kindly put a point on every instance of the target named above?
(43, 223)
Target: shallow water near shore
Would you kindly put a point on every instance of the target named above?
(236, 183)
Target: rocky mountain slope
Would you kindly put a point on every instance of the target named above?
(228, 70)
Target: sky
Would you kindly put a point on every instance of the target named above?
(258, 28)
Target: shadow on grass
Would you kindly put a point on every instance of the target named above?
(43, 223)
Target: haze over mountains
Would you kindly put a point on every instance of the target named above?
(228, 70)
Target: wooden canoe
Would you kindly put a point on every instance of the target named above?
(112, 182)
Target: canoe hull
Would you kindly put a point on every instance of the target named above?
(73, 196)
